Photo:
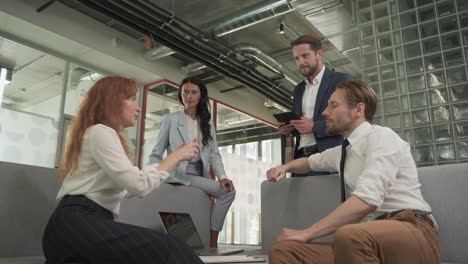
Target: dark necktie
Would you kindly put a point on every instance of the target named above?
(342, 163)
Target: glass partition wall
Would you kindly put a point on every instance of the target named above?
(249, 147)
(414, 54)
(30, 105)
(38, 104)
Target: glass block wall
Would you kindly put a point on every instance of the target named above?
(414, 54)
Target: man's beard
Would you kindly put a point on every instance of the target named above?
(310, 72)
(333, 129)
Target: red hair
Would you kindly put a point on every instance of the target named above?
(102, 103)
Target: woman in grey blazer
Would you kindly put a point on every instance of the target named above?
(194, 124)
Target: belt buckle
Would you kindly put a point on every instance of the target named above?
(426, 219)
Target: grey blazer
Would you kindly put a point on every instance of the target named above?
(172, 133)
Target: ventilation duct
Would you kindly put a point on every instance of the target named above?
(5, 78)
(189, 68)
(257, 14)
(249, 50)
(261, 12)
(334, 20)
(267, 61)
(78, 75)
(75, 77)
(146, 17)
(158, 52)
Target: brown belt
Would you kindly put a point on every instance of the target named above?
(418, 213)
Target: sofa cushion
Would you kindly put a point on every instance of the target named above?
(27, 200)
(296, 203)
(169, 198)
(445, 189)
(299, 202)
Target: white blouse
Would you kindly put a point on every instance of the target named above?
(193, 131)
(105, 174)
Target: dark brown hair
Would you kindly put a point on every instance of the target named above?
(314, 43)
(357, 91)
(203, 112)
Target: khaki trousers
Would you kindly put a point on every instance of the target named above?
(401, 239)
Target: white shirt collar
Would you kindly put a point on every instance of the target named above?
(358, 132)
(317, 78)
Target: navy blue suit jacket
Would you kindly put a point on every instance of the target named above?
(328, 85)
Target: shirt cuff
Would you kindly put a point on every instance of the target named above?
(222, 177)
(153, 168)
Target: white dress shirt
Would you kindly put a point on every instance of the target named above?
(105, 174)
(308, 105)
(193, 131)
(379, 169)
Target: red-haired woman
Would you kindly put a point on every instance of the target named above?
(96, 174)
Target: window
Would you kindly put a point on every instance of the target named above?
(30, 106)
(162, 98)
(249, 148)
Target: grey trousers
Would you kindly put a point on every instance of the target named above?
(223, 199)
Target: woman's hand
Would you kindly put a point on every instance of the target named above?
(188, 151)
(227, 185)
(183, 152)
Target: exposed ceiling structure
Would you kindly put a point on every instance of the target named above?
(236, 40)
(235, 46)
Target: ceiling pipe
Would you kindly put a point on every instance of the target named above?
(254, 52)
(255, 15)
(145, 16)
(258, 13)
(251, 50)
(46, 5)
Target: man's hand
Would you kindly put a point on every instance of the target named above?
(227, 185)
(292, 234)
(276, 174)
(304, 125)
(285, 129)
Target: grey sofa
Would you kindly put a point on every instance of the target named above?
(27, 199)
(299, 202)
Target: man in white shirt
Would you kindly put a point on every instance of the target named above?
(310, 98)
(379, 175)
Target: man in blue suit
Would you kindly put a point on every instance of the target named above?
(310, 98)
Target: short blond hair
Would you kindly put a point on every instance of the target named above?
(357, 91)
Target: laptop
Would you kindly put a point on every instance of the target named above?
(181, 226)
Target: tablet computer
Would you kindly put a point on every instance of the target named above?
(286, 117)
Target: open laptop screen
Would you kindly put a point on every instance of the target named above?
(181, 226)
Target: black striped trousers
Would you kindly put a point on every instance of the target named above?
(82, 231)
